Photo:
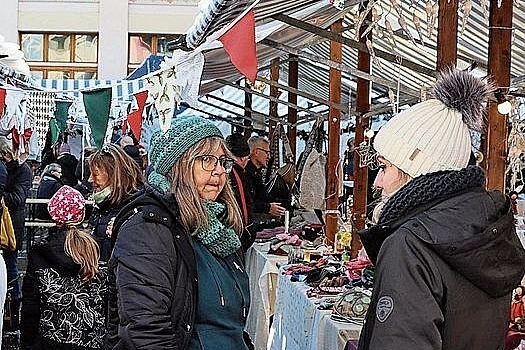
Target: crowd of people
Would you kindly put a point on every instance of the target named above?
(140, 259)
(161, 263)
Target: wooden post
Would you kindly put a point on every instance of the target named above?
(248, 97)
(274, 92)
(293, 81)
(362, 123)
(334, 129)
(500, 24)
(447, 38)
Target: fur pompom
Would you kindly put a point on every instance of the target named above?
(465, 93)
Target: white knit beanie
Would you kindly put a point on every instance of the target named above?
(434, 135)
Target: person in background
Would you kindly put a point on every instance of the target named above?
(16, 191)
(445, 250)
(82, 174)
(128, 145)
(259, 155)
(64, 289)
(178, 278)
(115, 178)
(68, 162)
(50, 183)
(3, 269)
(240, 150)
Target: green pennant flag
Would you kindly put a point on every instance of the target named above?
(61, 114)
(98, 104)
(53, 129)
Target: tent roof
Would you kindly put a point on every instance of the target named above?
(407, 68)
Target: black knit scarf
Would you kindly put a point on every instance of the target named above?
(428, 188)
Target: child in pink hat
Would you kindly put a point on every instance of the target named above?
(64, 282)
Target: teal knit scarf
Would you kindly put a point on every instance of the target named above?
(219, 239)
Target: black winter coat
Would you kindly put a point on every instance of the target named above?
(59, 310)
(68, 163)
(19, 181)
(102, 214)
(153, 263)
(48, 186)
(444, 270)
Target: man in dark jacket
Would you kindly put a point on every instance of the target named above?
(259, 155)
(446, 252)
(241, 152)
(18, 184)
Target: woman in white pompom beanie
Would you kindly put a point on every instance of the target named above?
(446, 252)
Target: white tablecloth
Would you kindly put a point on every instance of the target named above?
(262, 270)
(299, 325)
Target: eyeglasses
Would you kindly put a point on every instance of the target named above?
(209, 162)
(264, 150)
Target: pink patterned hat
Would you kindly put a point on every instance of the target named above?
(67, 206)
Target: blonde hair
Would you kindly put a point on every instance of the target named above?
(83, 249)
(124, 174)
(184, 189)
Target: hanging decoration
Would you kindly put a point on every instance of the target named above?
(135, 117)
(516, 152)
(466, 7)
(2, 101)
(164, 89)
(98, 105)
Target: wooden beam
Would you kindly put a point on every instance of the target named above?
(271, 98)
(362, 123)
(500, 30)
(352, 43)
(274, 92)
(293, 82)
(304, 94)
(447, 39)
(341, 67)
(334, 136)
(247, 112)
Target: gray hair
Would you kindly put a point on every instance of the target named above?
(257, 141)
(51, 167)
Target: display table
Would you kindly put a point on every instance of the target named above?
(262, 271)
(299, 325)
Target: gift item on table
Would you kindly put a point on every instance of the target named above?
(311, 232)
(352, 306)
(270, 233)
(283, 243)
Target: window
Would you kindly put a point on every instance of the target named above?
(143, 45)
(61, 55)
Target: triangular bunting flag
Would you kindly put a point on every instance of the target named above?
(135, 117)
(61, 113)
(239, 43)
(54, 130)
(2, 102)
(98, 105)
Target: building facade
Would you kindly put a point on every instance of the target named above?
(92, 39)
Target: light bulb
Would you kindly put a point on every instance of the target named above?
(505, 107)
(369, 133)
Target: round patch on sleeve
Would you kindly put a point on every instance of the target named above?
(385, 305)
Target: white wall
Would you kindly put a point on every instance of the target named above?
(9, 20)
(113, 20)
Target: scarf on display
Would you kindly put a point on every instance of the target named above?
(100, 196)
(429, 188)
(217, 238)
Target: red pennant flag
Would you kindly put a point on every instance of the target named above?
(135, 117)
(239, 43)
(2, 102)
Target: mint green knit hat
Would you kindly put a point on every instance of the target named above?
(167, 147)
